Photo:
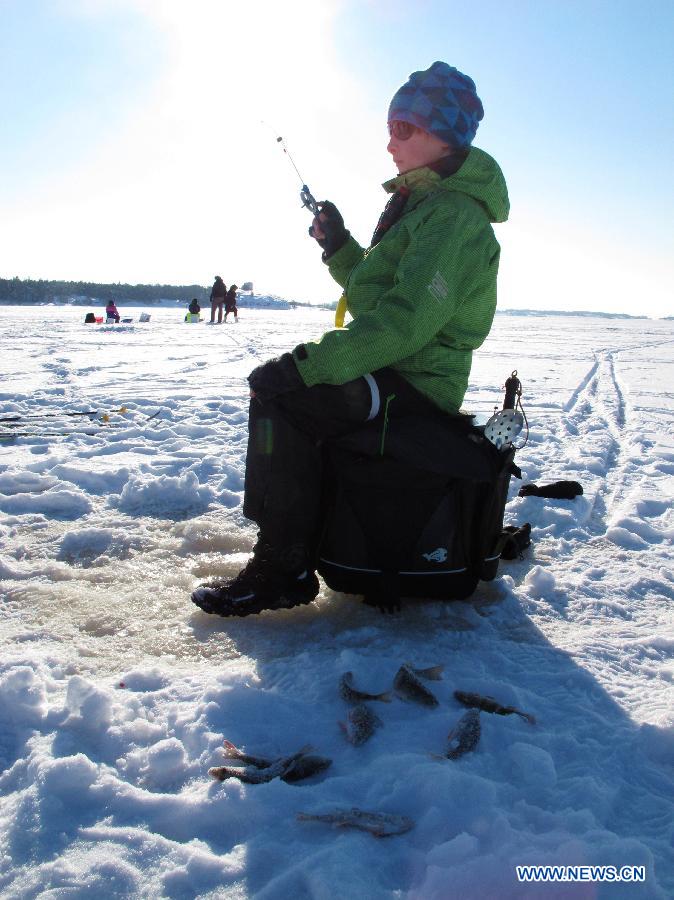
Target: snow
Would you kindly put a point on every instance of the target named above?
(116, 692)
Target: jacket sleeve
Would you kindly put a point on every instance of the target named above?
(342, 262)
(425, 295)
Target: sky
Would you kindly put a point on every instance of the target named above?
(139, 138)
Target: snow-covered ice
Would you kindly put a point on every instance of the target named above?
(116, 692)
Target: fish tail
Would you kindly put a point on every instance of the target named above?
(232, 750)
(432, 673)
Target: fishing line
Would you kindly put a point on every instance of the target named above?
(307, 198)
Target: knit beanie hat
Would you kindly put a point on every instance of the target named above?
(442, 101)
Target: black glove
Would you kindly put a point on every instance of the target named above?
(332, 226)
(515, 540)
(559, 490)
(276, 376)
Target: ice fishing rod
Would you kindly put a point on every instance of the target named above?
(307, 198)
(56, 415)
(12, 435)
(105, 416)
(11, 430)
(36, 419)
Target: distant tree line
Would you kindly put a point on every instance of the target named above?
(16, 290)
(85, 293)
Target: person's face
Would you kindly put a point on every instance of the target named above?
(411, 147)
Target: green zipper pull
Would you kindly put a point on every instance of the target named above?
(383, 433)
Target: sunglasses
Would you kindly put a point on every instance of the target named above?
(403, 131)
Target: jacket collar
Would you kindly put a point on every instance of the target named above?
(426, 177)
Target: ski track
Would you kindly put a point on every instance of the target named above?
(106, 535)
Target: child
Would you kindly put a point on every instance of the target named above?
(193, 310)
(230, 303)
(422, 297)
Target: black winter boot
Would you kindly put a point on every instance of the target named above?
(270, 580)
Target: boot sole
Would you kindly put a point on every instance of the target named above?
(250, 607)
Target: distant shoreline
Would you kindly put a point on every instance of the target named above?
(29, 292)
(257, 301)
(575, 312)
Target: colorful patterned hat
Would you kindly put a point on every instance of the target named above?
(442, 101)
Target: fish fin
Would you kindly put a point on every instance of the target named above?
(386, 697)
(239, 756)
(527, 717)
(432, 673)
(231, 750)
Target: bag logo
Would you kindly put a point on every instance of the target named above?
(439, 555)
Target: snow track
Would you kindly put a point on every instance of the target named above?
(115, 694)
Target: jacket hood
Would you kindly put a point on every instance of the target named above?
(480, 177)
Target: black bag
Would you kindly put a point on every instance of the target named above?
(418, 515)
(89, 319)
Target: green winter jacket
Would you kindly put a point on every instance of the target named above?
(424, 297)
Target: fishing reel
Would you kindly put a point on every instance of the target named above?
(506, 424)
(308, 200)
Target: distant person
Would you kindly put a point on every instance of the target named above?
(193, 311)
(230, 303)
(218, 294)
(111, 311)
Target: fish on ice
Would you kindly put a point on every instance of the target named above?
(490, 705)
(352, 695)
(408, 686)
(361, 724)
(378, 824)
(465, 735)
(258, 769)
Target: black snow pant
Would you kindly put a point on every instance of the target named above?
(286, 435)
